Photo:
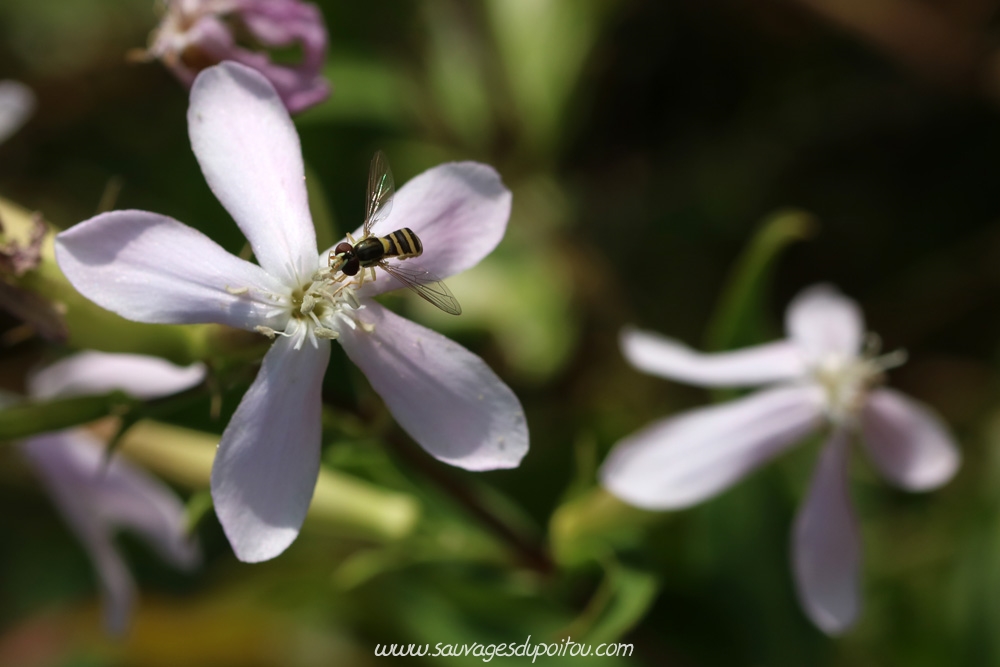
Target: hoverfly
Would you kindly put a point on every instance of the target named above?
(370, 251)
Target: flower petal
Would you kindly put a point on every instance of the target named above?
(682, 460)
(671, 359)
(265, 472)
(458, 210)
(824, 322)
(284, 23)
(17, 102)
(68, 462)
(99, 372)
(281, 23)
(826, 546)
(298, 87)
(117, 586)
(115, 493)
(151, 268)
(130, 498)
(250, 154)
(908, 443)
(444, 396)
(96, 498)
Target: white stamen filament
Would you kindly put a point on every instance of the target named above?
(848, 380)
(274, 312)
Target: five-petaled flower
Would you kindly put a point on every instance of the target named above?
(97, 496)
(826, 371)
(151, 268)
(195, 34)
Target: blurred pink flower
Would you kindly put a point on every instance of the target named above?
(823, 373)
(195, 34)
(17, 103)
(151, 268)
(97, 497)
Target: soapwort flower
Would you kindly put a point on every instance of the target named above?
(98, 496)
(825, 372)
(151, 268)
(195, 34)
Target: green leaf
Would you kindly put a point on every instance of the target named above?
(456, 73)
(632, 593)
(544, 45)
(591, 526)
(198, 506)
(739, 316)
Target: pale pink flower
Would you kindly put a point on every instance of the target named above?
(824, 374)
(98, 496)
(195, 34)
(17, 103)
(151, 268)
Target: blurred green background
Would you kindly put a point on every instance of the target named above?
(647, 144)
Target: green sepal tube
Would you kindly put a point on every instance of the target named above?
(30, 418)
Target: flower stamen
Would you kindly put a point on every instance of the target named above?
(848, 380)
(267, 331)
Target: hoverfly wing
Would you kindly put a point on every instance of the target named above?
(426, 285)
(381, 188)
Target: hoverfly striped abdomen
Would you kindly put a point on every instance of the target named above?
(402, 243)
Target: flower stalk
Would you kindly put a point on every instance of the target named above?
(342, 504)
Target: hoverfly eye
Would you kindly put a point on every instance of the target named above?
(352, 266)
(343, 248)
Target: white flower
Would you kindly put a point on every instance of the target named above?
(823, 373)
(17, 103)
(151, 268)
(97, 497)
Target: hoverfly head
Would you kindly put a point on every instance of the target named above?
(341, 256)
(351, 267)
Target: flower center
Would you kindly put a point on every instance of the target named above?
(316, 309)
(847, 381)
